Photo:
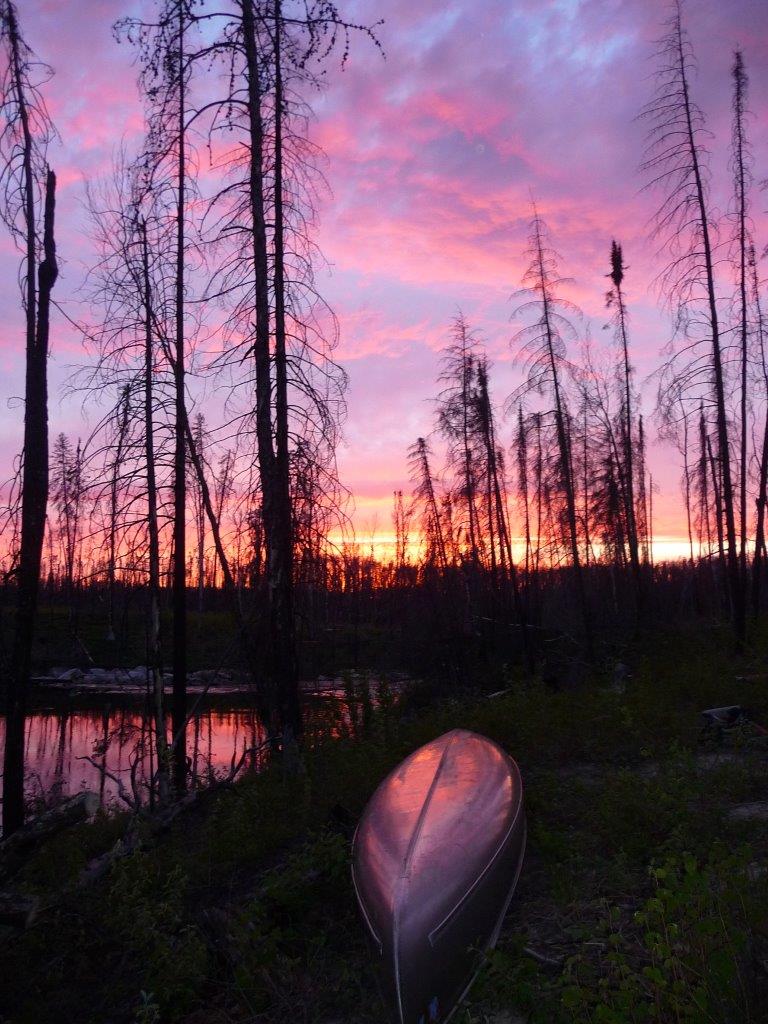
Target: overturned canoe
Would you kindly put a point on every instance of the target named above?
(435, 861)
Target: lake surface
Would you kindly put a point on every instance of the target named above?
(71, 751)
(68, 751)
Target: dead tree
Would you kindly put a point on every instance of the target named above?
(153, 533)
(521, 454)
(24, 135)
(165, 77)
(741, 184)
(199, 437)
(542, 349)
(455, 423)
(68, 490)
(424, 503)
(615, 299)
(266, 271)
(401, 519)
(121, 425)
(762, 487)
(132, 293)
(675, 165)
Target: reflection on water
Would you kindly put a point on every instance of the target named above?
(112, 749)
(71, 751)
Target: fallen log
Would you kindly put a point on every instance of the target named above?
(15, 849)
(152, 826)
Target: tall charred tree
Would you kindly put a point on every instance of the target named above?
(758, 556)
(425, 502)
(164, 79)
(676, 165)
(67, 496)
(263, 219)
(542, 349)
(616, 300)
(455, 421)
(121, 428)
(741, 183)
(154, 648)
(23, 138)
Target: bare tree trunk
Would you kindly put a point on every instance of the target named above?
(650, 519)
(35, 465)
(539, 507)
(564, 449)
(153, 638)
(757, 559)
(717, 492)
(469, 480)
(281, 549)
(122, 433)
(735, 581)
(585, 485)
(687, 487)
(195, 443)
(425, 486)
(274, 531)
(230, 588)
(706, 527)
(740, 174)
(617, 276)
(179, 707)
(522, 473)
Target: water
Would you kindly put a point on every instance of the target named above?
(110, 750)
(67, 752)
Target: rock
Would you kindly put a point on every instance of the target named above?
(757, 811)
(716, 759)
(71, 675)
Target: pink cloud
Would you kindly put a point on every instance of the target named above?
(432, 156)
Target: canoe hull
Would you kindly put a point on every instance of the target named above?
(436, 858)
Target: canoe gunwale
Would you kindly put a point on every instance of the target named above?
(360, 902)
(505, 908)
(497, 930)
(434, 935)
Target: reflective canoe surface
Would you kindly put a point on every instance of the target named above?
(435, 861)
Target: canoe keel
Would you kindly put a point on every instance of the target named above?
(435, 862)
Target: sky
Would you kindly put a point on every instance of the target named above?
(433, 154)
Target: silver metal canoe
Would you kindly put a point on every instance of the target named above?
(435, 860)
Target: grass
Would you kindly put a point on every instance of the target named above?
(647, 895)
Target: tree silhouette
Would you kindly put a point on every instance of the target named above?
(541, 348)
(676, 166)
(24, 174)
